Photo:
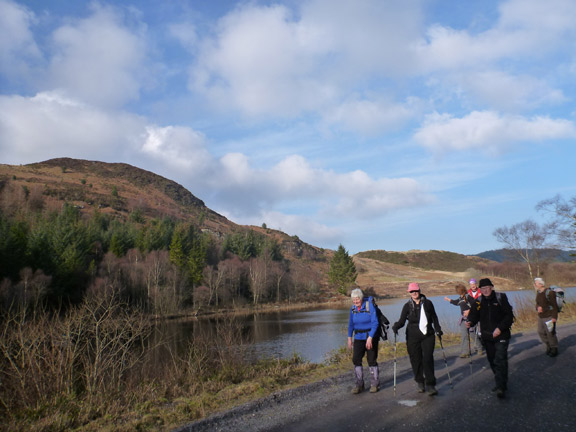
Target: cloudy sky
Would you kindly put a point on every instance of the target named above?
(376, 124)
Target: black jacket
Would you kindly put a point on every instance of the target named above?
(493, 311)
(411, 312)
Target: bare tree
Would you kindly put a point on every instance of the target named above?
(279, 270)
(214, 279)
(258, 274)
(564, 217)
(526, 239)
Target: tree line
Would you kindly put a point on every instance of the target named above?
(58, 257)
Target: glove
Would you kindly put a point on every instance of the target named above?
(395, 328)
(439, 333)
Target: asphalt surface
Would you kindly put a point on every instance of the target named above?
(541, 397)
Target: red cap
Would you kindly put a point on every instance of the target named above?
(413, 286)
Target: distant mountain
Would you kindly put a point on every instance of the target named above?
(501, 255)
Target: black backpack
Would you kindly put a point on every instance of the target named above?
(499, 300)
(383, 322)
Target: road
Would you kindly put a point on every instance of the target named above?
(541, 397)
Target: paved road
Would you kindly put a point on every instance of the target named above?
(541, 397)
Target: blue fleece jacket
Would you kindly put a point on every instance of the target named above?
(363, 323)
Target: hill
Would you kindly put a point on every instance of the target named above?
(429, 260)
(387, 274)
(127, 193)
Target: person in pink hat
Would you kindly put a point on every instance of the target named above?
(420, 340)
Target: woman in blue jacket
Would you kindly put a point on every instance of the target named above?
(362, 339)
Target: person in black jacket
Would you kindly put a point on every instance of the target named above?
(463, 301)
(495, 315)
(420, 339)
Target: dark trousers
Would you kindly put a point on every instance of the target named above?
(360, 350)
(421, 352)
(497, 354)
(547, 337)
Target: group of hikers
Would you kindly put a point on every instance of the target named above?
(486, 318)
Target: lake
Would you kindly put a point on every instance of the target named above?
(314, 333)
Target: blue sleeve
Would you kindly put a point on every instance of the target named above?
(351, 324)
(373, 319)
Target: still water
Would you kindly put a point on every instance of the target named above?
(313, 334)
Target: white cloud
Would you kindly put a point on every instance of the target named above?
(525, 28)
(17, 44)
(294, 183)
(489, 131)
(49, 125)
(258, 65)
(181, 148)
(511, 93)
(98, 59)
(271, 61)
(369, 117)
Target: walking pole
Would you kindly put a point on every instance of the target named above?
(469, 351)
(394, 364)
(445, 362)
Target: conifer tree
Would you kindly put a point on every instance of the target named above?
(342, 271)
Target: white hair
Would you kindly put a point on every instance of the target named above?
(357, 292)
(539, 280)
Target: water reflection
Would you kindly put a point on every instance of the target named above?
(312, 333)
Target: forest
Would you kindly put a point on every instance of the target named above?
(164, 265)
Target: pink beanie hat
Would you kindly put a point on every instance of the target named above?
(413, 287)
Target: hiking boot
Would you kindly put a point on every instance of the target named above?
(421, 388)
(432, 391)
(374, 379)
(359, 377)
(553, 352)
(501, 394)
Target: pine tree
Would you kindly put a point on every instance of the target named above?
(342, 271)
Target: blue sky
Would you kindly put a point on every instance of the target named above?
(375, 124)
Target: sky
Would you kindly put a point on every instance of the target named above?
(375, 124)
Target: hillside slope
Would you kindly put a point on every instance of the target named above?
(126, 192)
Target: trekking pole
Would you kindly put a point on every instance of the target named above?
(445, 362)
(469, 351)
(394, 364)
